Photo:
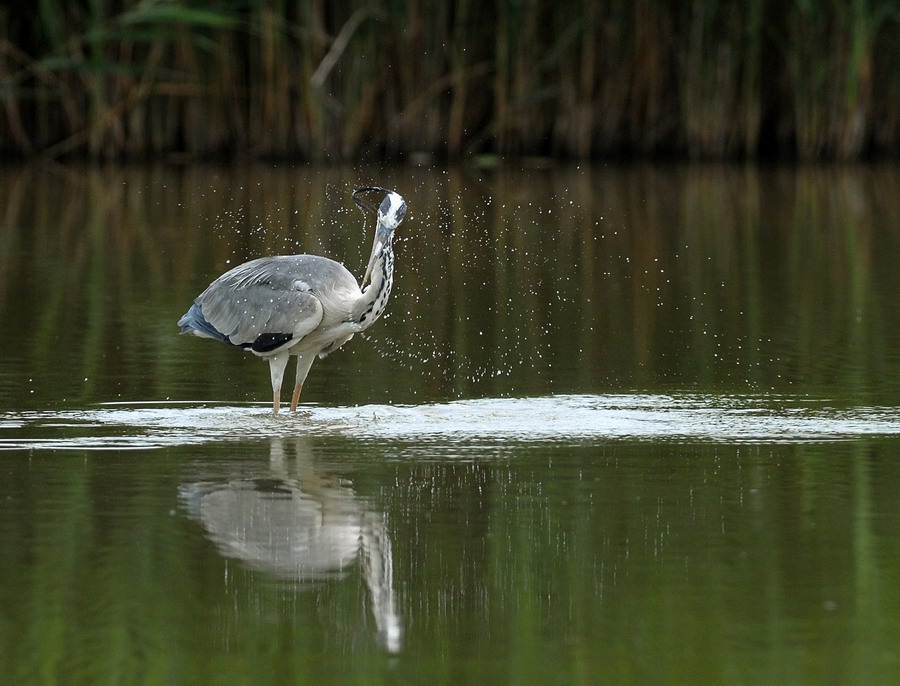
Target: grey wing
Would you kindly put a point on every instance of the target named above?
(263, 305)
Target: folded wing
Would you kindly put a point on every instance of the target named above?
(265, 305)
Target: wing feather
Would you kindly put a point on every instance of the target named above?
(272, 295)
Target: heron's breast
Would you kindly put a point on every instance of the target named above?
(325, 340)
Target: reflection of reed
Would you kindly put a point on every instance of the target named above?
(523, 546)
(564, 279)
(294, 522)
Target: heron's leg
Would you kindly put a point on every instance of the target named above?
(303, 365)
(277, 364)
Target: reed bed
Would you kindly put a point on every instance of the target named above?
(336, 80)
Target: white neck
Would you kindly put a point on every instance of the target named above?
(375, 296)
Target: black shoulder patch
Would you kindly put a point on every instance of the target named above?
(267, 342)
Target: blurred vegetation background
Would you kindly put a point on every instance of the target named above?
(336, 80)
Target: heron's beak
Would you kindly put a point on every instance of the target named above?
(381, 238)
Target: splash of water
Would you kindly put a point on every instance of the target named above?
(558, 419)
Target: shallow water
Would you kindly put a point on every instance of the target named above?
(558, 419)
(626, 425)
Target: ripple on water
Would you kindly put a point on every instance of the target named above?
(560, 419)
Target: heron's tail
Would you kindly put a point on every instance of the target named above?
(193, 322)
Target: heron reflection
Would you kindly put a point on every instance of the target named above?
(296, 522)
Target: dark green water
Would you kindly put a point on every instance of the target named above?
(632, 426)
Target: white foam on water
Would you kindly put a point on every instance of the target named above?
(559, 419)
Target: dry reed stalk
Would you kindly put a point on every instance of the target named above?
(332, 81)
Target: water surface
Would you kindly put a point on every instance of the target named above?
(620, 425)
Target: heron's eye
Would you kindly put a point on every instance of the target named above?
(401, 212)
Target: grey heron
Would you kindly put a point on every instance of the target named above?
(300, 305)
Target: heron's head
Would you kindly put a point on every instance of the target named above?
(392, 211)
(389, 214)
